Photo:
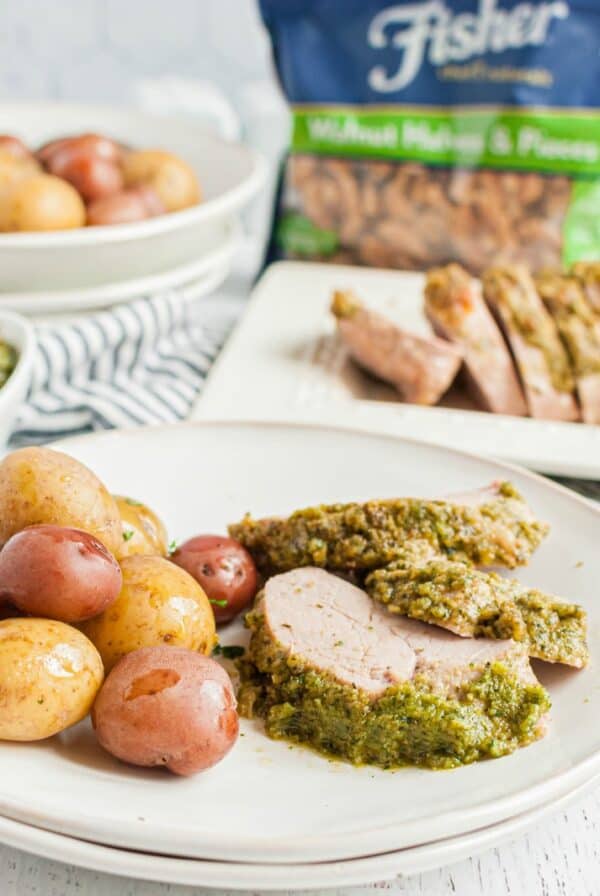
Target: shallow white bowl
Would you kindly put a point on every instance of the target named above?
(212, 267)
(229, 174)
(15, 330)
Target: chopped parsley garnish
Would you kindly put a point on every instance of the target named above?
(172, 547)
(128, 534)
(218, 603)
(133, 503)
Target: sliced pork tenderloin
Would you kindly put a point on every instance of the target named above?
(588, 275)
(579, 327)
(534, 340)
(330, 668)
(421, 368)
(455, 307)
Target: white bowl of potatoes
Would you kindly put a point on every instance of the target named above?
(93, 195)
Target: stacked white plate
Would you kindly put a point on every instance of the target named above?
(272, 816)
(93, 267)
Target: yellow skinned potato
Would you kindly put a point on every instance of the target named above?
(50, 676)
(39, 485)
(159, 604)
(40, 202)
(13, 168)
(143, 531)
(172, 178)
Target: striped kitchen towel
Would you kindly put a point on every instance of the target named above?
(141, 363)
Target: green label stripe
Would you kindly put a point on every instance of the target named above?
(581, 230)
(559, 141)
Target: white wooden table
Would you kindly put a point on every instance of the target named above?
(560, 857)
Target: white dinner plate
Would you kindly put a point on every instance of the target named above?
(267, 802)
(284, 361)
(213, 264)
(246, 876)
(229, 173)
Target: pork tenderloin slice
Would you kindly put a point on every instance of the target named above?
(472, 603)
(327, 621)
(579, 327)
(330, 668)
(456, 309)
(534, 341)
(588, 389)
(421, 368)
(493, 526)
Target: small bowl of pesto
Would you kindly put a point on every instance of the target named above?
(17, 349)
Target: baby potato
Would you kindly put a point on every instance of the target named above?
(100, 146)
(14, 168)
(92, 176)
(143, 531)
(126, 207)
(40, 485)
(224, 568)
(41, 202)
(58, 572)
(159, 604)
(167, 706)
(50, 675)
(172, 178)
(14, 146)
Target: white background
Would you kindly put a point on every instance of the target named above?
(95, 49)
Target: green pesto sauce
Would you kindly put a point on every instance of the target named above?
(588, 275)
(451, 594)
(8, 361)
(472, 603)
(451, 293)
(512, 290)
(577, 323)
(362, 537)
(556, 630)
(344, 304)
(408, 724)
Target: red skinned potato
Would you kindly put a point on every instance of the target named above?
(125, 207)
(167, 706)
(93, 176)
(58, 572)
(152, 201)
(103, 147)
(224, 569)
(45, 152)
(14, 147)
(8, 612)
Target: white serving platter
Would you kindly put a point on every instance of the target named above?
(284, 361)
(254, 875)
(267, 802)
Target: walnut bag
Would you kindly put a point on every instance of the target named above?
(433, 131)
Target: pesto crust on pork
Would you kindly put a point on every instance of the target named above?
(491, 527)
